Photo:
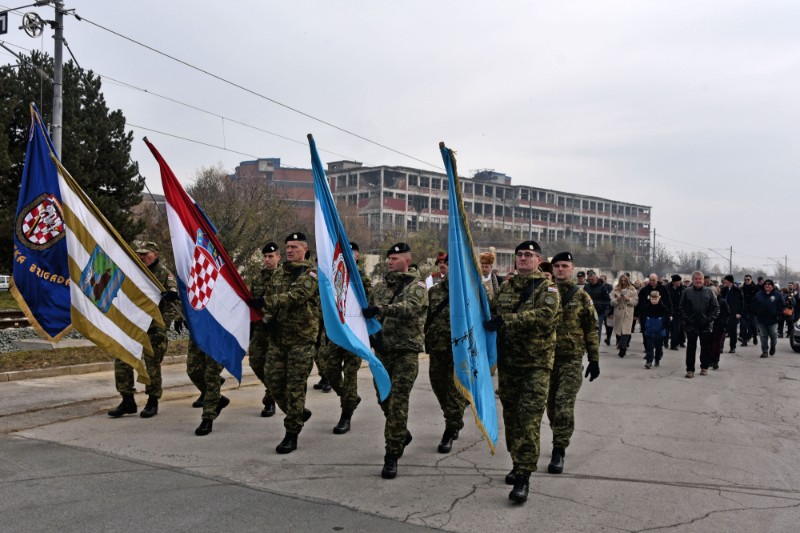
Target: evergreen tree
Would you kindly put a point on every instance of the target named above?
(95, 146)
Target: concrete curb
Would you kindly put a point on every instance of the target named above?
(87, 368)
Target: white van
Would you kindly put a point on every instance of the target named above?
(4, 280)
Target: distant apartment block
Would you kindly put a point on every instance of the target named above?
(412, 199)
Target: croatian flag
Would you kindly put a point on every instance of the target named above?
(341, 290)
(213, 295)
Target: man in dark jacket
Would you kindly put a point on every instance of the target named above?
(676, 334)
(733, 295)
(768, 304)
(749, 324)
(601, 298)
(699, 309)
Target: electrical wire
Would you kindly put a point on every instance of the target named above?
(253, 92)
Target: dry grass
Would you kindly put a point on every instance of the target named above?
(7, 301)
(12, 361)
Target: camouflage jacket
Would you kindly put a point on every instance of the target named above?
(528, 336)
(169, 310)
(404, 318)
(263, 286)
(294, 304)
(437, 322)
(576, 332)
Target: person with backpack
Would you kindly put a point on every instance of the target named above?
(576, 333)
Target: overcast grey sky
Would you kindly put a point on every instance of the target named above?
(688, 106)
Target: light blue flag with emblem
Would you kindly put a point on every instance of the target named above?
(341, 290)
(474, 348)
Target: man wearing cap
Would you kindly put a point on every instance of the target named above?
(440, 350)
(489, 277)
(294, 308)
(263, 330)
(575, 334)
(733, 296)
(676, 333)
(601, 298)
(400, 304)
(341, 366)
(170, 310)
(525, 312)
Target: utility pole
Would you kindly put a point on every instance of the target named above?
(58, 59)
(654, 248)
(730, 262)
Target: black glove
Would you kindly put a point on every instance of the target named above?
(371, 312)
(257, 303)
(592, 370)
(493, 324)
(170, 296)
(178, 325)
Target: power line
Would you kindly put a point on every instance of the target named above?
(253, 92)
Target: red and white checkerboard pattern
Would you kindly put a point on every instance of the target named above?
(202, 277)
(39, 226)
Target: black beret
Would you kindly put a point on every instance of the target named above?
(354, 246)
(399, 248)
(269, 248)
(676, 277)
(528, 245)
(563, 256)
(728, 278)
(296, 237)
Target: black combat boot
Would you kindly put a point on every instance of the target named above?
(200, 401)
(222, 403)
(269, 408)
(151, 409)
(326, 385)
(318, 385)
(126, 407)
(519, 493)
(306, 415)
(556, 465)
(447, 440)
(288, 444)
(405, 443)
(344, 423)
(389, 467)
(511, 476)
(204, 428)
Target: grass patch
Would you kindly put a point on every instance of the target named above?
(13, 361)
(7, 301)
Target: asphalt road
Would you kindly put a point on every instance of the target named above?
(652, 451)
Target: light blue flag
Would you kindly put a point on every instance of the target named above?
(341, 290)
(474, 348)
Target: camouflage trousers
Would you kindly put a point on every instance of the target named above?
(123, 372)
(288, 368)
(523, 393)
(257, 355)
(402, 368)
(451, 400)
(565, 381)
(341, 369)
(205, 374)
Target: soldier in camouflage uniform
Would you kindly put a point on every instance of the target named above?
(170, 310)
(262, 287)
(575, 334)
(205, 372)
(525, 311)
(341, 366)
(440, 351)
(293, 311)
(400, 303)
